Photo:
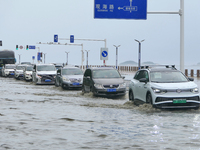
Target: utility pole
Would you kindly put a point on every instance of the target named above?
(116, 55)
(87, 58)
(139, 54)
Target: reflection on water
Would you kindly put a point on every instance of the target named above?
(47, 117)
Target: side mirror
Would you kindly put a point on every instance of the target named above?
(123, 77)
(191, 79)
(143, 80)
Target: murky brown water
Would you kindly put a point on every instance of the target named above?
(47, 117)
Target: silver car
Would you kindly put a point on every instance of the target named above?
(69, 77)
(44, 74)
(28, 70)
(8, 70)
(19, 71)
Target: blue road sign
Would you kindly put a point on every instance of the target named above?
(55, 38)
(33, 57)
(120, 9)
(31, 47)
(104, 53)
(71, 38)
(38, 56)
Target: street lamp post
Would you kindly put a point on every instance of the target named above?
(116, 55)
(66, 57)
(44, 57)
(19, 58)
(139, 54)
(87, 58)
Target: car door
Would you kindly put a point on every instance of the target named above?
(86, 80)
(141, 87)
(59, 76)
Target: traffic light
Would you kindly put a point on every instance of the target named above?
(16, 47)
(41, 54)
(26, 47)
(0, 43)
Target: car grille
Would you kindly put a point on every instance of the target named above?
(179, 90)
(162, 99)
(47, 77)
(75, 80)
(11, 72)
(111, 86)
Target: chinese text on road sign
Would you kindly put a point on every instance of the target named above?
(120, 9)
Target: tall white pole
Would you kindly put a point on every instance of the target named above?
(182, 35)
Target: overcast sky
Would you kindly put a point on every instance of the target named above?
(27, 22)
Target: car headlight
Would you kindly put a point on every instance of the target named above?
(195, 90)
(65, 79)
(6, 72)
(122, 85)
(98, 86)
(159, 91)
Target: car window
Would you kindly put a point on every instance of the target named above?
(20, 67)
(87, 73)
(167, 77)
(142, 74)
(9, 67)
(46, 68)
(72, 71)
(29, 68)
(59, 71)
(106, 73)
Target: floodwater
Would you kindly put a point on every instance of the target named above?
(43, 117)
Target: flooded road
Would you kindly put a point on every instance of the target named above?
(36, 117)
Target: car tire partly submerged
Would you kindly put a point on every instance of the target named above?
(131, 96)
(149, 99)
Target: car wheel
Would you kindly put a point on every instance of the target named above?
(83, 89)
(149, 98)
(131, 96)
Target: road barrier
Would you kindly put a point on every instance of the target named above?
(133, 69)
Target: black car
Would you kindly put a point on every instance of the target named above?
(103, 81)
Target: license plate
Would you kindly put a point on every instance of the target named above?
(12, 74)
(76, 84)
(176, 101)
(47, 80)
(111, 90)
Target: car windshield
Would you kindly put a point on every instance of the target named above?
(20, 67)
(72, 72)
(46, 68)
(29, 68)
(10, 67)
(167, 77)
(106, 73)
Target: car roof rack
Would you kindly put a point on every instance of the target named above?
(158, 66)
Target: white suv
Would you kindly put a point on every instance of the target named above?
(44, 74)
(19, 71)
(164, 87)
(8, 70)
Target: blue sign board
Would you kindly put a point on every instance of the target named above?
(71, 38)
(33, 57)
(120, 9)
(38, 56)
(104, 53)
(55, 38)
(31, 47)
